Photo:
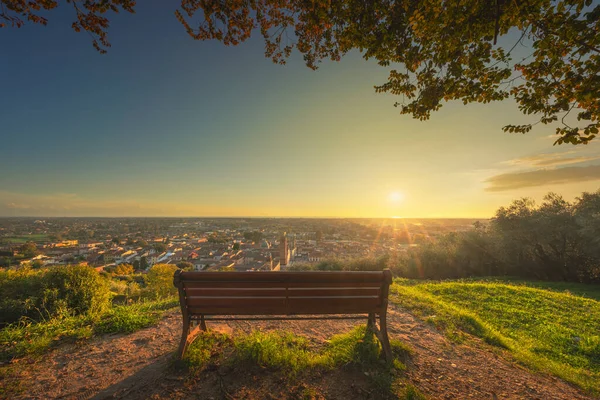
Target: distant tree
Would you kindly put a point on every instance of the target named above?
(123, 269)
(136, 265)
(130, 241)
(116, 241)
(159, 281)
(216, 238)
(37, 264)
(141, 243)
(159, 247)
(254, 236)
(586, 211)
(236, 246)
(187, 266)
(144, 264)
(441, 51)
(55, 237)
(28, 250)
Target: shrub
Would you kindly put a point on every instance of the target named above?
(159, 281)
(76, 289)
(45, 293)
(21, 294)
(123, 269)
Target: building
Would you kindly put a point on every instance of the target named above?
(284, 251)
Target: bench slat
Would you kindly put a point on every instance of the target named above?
(310, 292)
(251, 285)
(278, 276)
(333, 305)
(233, 292)
(264, 310)
(234, 302)
(281, 292)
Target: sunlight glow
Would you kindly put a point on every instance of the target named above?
(396, 197)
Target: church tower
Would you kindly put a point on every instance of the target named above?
(284, 251)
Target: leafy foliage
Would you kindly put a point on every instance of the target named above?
(556, 240)
(78, 289)
(29, 250)
(123, 269)
(159, 281)
(42, 294)
(441, 51)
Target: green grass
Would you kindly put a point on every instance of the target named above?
(35, 338)
(293, 356)
(131, 318)
(36, 237)
(548, 330)
(287, 352)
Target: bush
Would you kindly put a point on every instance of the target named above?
(123, 269)
(75, 289)
(45, 293)
(159, 281)
(21, 294)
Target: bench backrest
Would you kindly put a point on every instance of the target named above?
(282, 293)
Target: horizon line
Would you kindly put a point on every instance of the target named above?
(239, 217)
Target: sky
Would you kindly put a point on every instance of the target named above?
(163, 125)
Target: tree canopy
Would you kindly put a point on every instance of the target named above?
(436, 50)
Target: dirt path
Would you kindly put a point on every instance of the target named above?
(138, 366)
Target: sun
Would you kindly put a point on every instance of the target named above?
(396, 197)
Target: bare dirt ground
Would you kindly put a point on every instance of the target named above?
(140, 366)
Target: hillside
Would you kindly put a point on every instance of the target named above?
(443, 362)
(551, 330)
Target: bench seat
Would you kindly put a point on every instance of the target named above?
(226, 296)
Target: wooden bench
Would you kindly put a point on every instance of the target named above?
(204, 296)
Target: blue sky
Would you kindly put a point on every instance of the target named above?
(165, 125)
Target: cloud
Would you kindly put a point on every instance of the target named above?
(518, 180)
(17, 206)
(550, 160)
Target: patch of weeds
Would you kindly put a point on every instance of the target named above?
(306, 392)
(33, 339)
(412, 393)
(131, 318)
(206, 346)
(401, 350)
(27, 338)
(10, 387)
(354, 347)
(281, 350)
(291, 355)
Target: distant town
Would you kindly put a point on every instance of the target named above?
(209, 244)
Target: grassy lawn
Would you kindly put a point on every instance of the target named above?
(37, 237)
(34, 338)
(547, 326)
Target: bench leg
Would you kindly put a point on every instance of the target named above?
(371, 324)
(184, 336)
(202, 323)
(187, 336)
(383, 337)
